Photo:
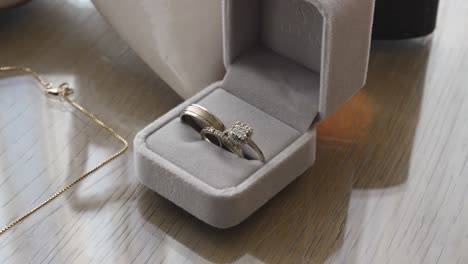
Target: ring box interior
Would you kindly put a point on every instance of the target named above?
(289, 63)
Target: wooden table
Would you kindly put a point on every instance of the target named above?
(390, 184)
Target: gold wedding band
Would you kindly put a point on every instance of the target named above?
(199, 117)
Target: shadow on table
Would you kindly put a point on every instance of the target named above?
(366, 145)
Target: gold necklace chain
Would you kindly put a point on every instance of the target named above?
(64, 91)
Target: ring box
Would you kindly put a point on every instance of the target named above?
(290, 63)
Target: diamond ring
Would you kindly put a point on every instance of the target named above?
(237, 139)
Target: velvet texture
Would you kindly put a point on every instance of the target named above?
(181, 145)
(289, 63)
(276, 85)
(212, 184)
(338, 30)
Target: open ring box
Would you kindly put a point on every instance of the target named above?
(290, 63)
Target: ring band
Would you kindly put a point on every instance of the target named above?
(212, 135)
(199, 117)
(235, 139)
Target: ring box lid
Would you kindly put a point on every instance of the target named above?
(297, 60)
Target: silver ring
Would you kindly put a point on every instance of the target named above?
(237, 139)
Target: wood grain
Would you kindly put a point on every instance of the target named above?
(390, 184)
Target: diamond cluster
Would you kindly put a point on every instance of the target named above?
(210, 129)
(214, 131)
(241, 131)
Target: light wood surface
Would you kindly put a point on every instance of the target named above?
(390, 184)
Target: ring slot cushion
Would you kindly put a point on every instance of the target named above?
(289, 64)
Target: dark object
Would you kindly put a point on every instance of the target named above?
(401, 19)
(7, 4)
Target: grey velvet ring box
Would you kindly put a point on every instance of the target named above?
(289, 64)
